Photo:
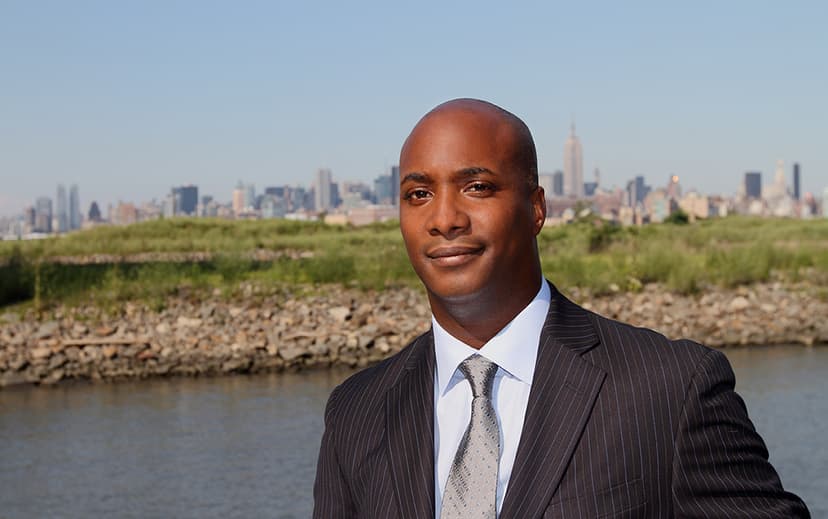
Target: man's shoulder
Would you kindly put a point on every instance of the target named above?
(647, 344)
(370, 384)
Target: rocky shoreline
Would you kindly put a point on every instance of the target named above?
(292, 329)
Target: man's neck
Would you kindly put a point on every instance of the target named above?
(477, 318)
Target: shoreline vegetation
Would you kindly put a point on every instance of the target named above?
(200, 297)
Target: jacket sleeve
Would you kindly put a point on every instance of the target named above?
(720, 466)
(331, 494)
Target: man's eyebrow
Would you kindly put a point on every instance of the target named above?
(474, 171)
(415, 176)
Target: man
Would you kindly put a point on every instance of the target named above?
(519, 403)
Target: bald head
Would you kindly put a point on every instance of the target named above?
(510, 134)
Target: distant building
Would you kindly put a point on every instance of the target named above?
(167, 206)
(74, 208)
(277, 191)
(125, 213)
(186, 200)
(94, 212)
(558, 183)
(372, 214)
(637, 191)
(590, 188)
(250, 197)
(545, 180)
(825, 202)
(323, 190)
(62, 210)
(43, 215)
(273, 206)
(658, 205)
(395, 185)
(695, 205)
(753, 184)
(573, 166)
(297, 199)
(383, 190)
(238, 198)
(796, 192)
(673, 187)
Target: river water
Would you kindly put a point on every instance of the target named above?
(246, 446)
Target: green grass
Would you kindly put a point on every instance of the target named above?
(593, 255)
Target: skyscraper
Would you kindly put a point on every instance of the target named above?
(238, 198)
(383, 189)
(62, 210)
(573, 166)
(637, 191)
(94, 212)
(186, 200)
(558, 183)
(778, 189)
(753, 184)
(74, 208)
(395, 185)
(796, 192)
(43, 215)
(250, 197)
(322, 186)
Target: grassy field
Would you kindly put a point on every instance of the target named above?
(686, 258)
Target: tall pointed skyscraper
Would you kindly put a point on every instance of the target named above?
(573, 166)
(62, 213)
(74, 208)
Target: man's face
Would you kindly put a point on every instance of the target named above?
(467, 213)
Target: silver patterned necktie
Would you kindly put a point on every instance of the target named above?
(471, 489)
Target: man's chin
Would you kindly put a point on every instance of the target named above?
(455, 293)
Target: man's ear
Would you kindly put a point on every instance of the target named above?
(538, 200)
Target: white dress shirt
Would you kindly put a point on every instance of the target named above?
(514, 349)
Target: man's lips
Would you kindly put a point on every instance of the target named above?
(453, 255)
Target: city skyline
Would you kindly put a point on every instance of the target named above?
(127, 100)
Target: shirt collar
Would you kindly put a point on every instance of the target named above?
(514, 348)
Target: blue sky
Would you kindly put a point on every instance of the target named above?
(127, 99)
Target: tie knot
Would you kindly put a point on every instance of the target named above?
(480, 373)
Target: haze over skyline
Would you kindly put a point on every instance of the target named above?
(128, 100)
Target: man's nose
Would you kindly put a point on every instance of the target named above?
(448, 217)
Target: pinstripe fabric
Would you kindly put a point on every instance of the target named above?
(620, 422)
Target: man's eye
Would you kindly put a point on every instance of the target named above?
(479, 187)
(417, 194)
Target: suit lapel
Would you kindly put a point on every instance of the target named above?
(409, 418)
(563, 393)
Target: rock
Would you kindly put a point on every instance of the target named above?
(109, 351)
(768, 308)
(57, 360)
(162, 328)
(235, 311)
(239, 365)
(47, 329)
(80, 329)
(11, 378)
(207, 311)
(54, 377)
(292, 352)
(105, 331)
(146, 355)
(41, 352)
(188, 322)
(738, 304)
(18, 364)
(340, 313)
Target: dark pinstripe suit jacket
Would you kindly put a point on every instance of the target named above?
(621, 422)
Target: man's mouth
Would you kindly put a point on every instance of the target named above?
(453, 255)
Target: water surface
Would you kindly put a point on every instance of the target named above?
(247, 446)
